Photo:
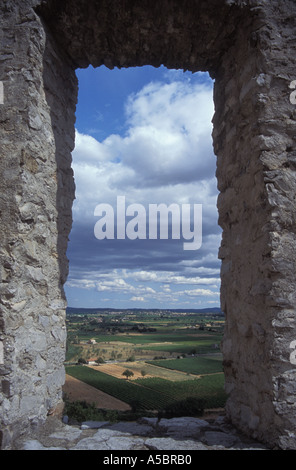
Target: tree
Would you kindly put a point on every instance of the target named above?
(81, 360)
(128, 373)
(131, 359)
(100, 360)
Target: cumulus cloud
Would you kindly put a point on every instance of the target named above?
(137, 299)
(168, 139)
(167, 145)
(165, 156)
(166, 286)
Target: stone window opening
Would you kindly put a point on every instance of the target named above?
(160, 118)
(182, 90)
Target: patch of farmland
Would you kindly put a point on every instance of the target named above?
(152, 370)
(193, 365)
(76, 390)
(205, 346)
(154, 393)
(140, 369)
(125, 390)
(117, 370)
(209, 388)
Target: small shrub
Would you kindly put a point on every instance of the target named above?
(131, 359)
(81, 360)
(80, 411)
(100, 360)
(190, 406)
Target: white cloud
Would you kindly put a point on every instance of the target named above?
(166, 153)
(201, 292)
(164, 284)
(164, 156)
(169, 278)
(169, 136)
(137, 299)
(117, 284)
(89, 151)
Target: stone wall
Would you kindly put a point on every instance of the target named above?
(254, 139)
(37, 137)
(247, 46)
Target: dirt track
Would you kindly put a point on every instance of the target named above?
(77, 390)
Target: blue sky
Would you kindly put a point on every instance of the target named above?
(143, 134)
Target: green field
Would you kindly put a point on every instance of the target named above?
(179, 356)
(154, 393)
(192, 365)
(124, 390)
(131, 336)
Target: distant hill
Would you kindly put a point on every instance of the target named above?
(95, 311)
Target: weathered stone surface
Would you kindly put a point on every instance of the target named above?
(221, 438)
(163, 443)
(137, 428)
(33, 444)
(187, 427)
(93, 424)
(248, 48)
(135, 436)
